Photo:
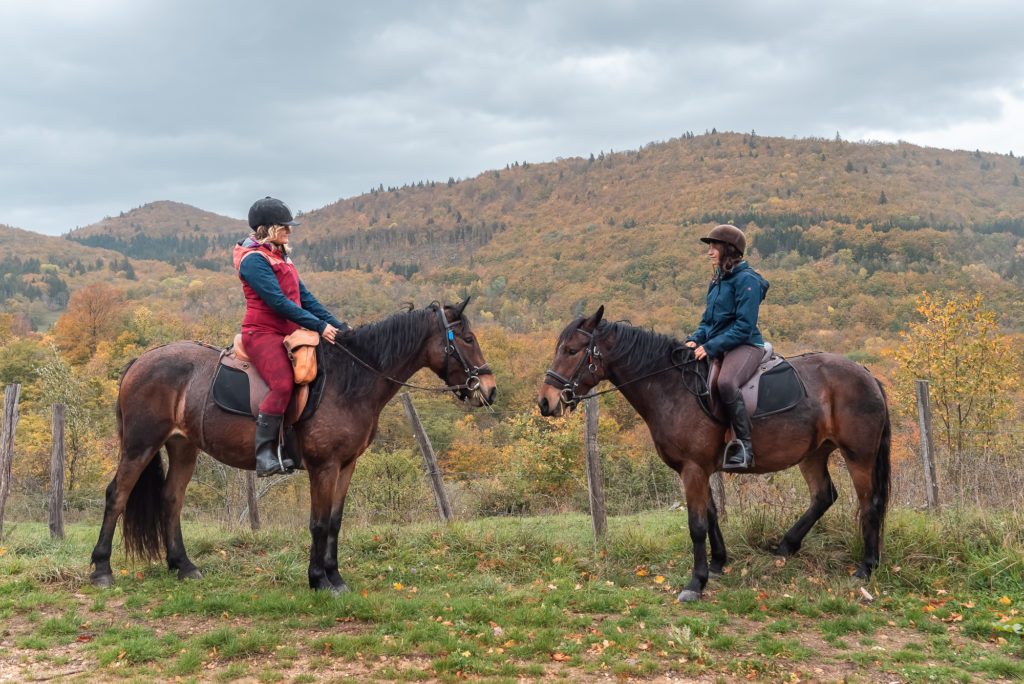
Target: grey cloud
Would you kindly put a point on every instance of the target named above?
(109, 105)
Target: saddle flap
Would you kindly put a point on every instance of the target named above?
(775, 387)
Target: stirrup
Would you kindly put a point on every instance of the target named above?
(278, 468)
(730, 450)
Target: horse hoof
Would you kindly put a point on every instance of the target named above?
(193, 574)
(688, 596)
(102, 581)
(342, 589)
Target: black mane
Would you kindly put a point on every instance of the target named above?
(637, 351)
(384, 345)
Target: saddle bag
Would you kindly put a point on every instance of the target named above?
(301, 347)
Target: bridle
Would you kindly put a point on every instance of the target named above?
(588, 363)
(473, 373)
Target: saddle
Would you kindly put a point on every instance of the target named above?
(238, 387)
(774, 388)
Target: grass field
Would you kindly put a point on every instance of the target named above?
(512, 599)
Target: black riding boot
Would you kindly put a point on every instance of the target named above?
(268, 428)
(739, 455)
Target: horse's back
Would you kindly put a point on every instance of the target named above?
(165, 381)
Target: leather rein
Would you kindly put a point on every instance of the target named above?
(473, 373)
(588, 363)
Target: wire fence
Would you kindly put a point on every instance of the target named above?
(990, 476)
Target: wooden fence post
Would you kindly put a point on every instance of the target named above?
(444, 507)
(924, 417)
(251, 499)
(7, 426)
(718, 495)
(57, 471)
(595, 484)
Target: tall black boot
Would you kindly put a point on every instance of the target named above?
(739, 455)
(268, 462)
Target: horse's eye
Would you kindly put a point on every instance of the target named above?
(468, 339)
(572, 352)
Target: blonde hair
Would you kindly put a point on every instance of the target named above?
(265, 234)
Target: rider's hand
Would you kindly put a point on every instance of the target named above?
(699, 352)
(329, 333)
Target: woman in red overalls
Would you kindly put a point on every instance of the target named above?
(276, 304)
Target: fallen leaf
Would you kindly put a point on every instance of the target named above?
(560, 657)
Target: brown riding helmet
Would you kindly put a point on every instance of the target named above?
(730, 235)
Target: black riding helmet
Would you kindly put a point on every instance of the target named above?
(270, 212)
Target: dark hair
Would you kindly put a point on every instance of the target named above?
(729, 255)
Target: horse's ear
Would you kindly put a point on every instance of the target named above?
(591, 323)
(457, 309)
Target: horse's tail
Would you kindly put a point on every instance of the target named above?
(143, 533)
(881, 475)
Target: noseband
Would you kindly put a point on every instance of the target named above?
(587, 364)
(473, 373)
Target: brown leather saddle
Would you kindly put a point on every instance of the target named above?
(238, 387)
(775, 387)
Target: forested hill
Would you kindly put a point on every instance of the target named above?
(166, 231)
(848, 233)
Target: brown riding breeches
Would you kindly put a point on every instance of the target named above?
(738, 366)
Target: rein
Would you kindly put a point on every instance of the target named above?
(473, 373)
(567, 386)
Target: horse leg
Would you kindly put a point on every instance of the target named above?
(129, 470)
(718, 555)
(323, 480)
(695, 482)
(823, 494)
(181, 462)
(334, 529)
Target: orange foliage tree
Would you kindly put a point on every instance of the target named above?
(972, 370)
(92, 316)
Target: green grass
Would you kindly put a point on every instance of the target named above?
(506, 599)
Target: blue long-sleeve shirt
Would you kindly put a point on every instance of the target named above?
(312, 315)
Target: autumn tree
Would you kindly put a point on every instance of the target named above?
(91, 317)
(971, 369)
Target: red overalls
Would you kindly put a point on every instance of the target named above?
(263, 329)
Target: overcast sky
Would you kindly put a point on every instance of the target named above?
(106, 105)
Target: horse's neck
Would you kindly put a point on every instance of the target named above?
(655, 395)
(388, 381)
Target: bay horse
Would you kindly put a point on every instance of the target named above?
(164, 401)
(844, 407)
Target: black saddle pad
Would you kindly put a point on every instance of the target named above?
(231, 389)
(779, 389)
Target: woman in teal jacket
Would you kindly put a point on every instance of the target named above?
(728, 329)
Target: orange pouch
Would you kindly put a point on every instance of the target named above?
(301, 347)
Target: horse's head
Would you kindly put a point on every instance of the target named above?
(458, 360)
(576, 368)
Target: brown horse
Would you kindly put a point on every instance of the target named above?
(844, 407)
(164, 401)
